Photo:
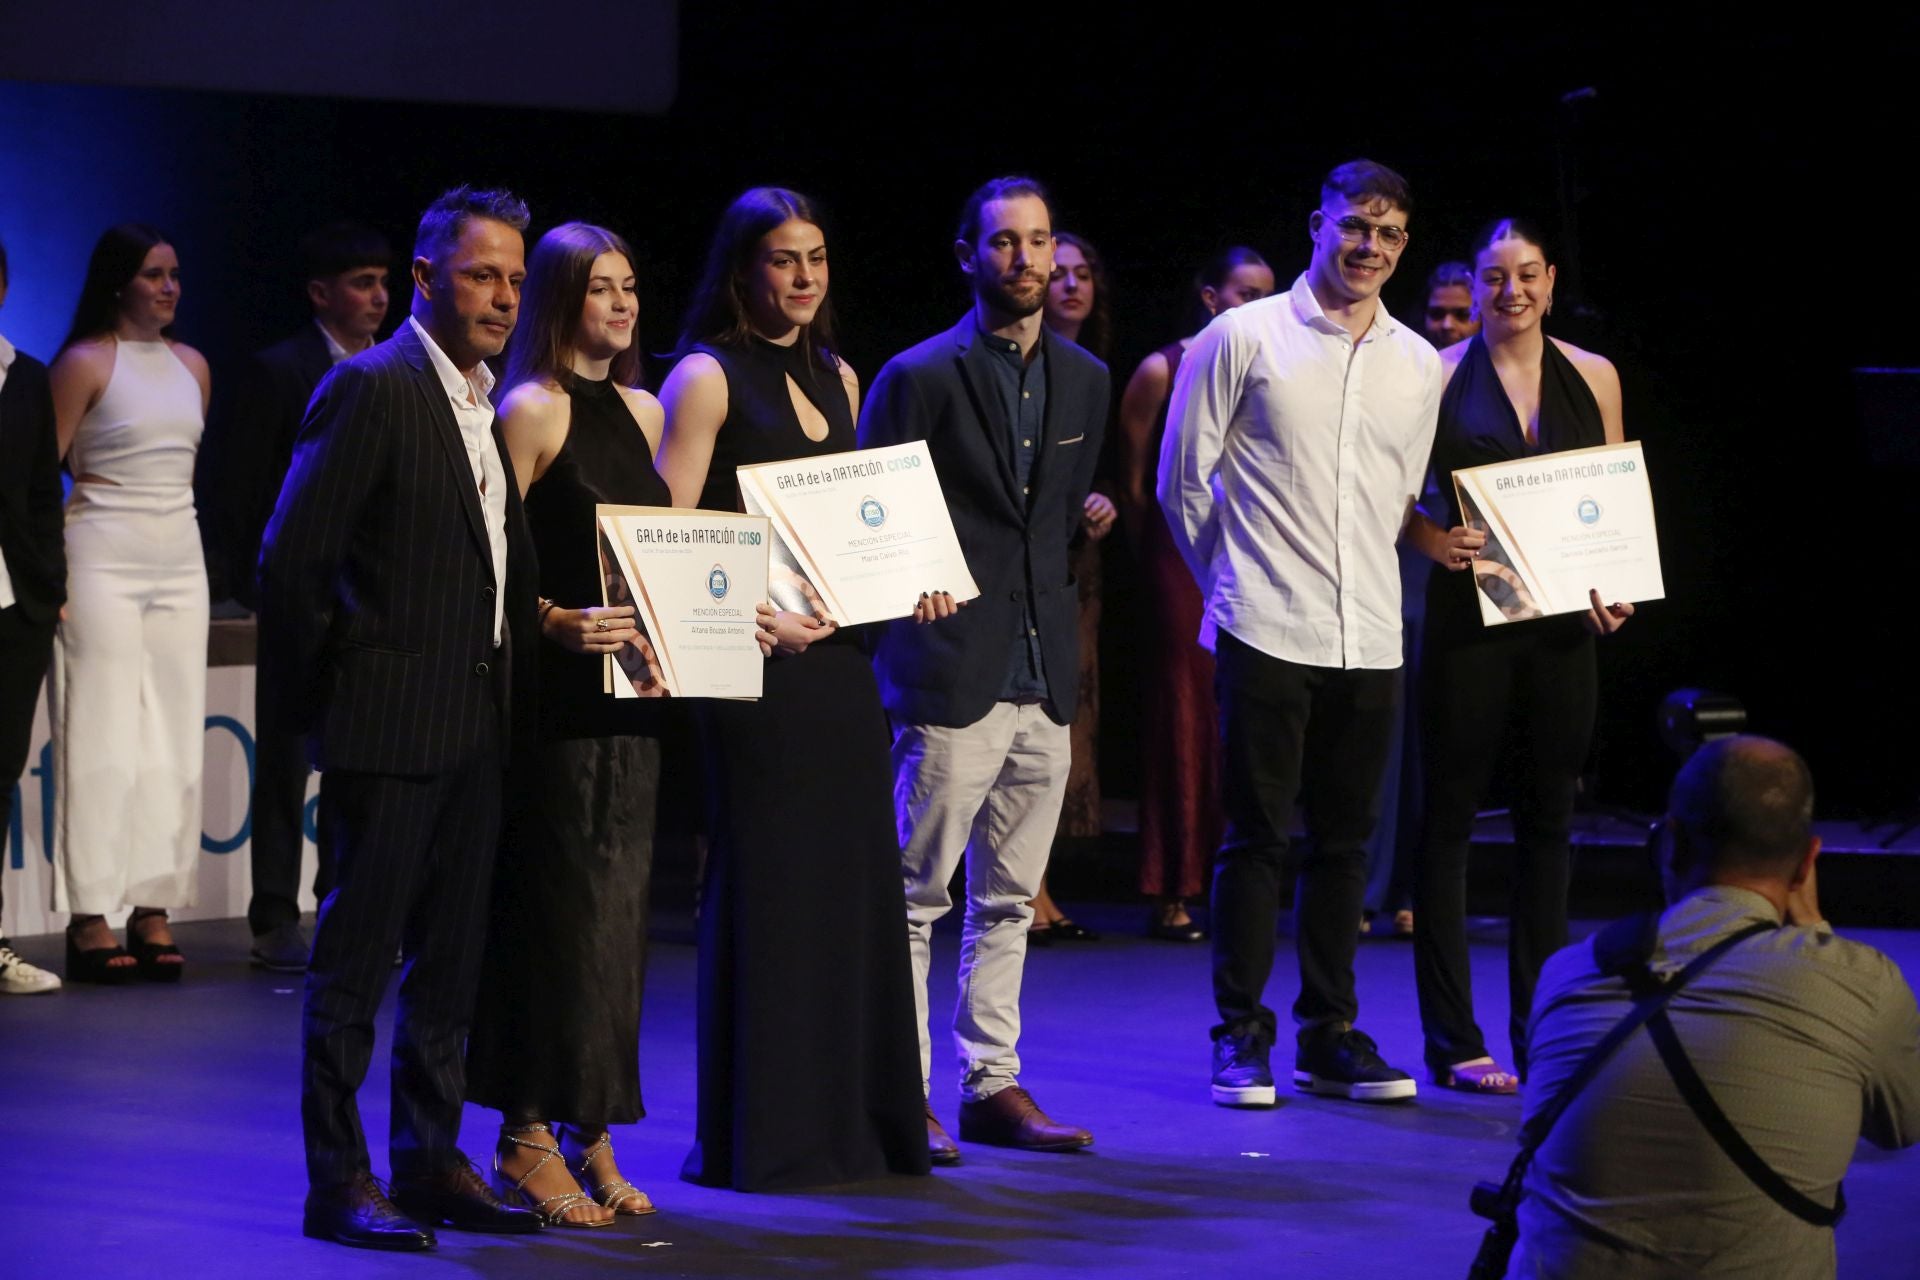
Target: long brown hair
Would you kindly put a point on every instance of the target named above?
(718, 313)
(551, 299)
(117, 258)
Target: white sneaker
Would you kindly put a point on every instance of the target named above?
(18, 978)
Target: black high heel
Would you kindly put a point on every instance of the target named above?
(95, 964)
(147, 955)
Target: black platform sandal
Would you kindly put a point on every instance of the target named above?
(148, 954)
(95, 964)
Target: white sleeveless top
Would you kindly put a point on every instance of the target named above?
(142, 434)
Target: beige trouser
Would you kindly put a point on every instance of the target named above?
(991, 791)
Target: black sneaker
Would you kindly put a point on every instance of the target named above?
(1348, 1065)
(1241, 1076)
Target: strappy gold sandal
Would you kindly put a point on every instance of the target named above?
(552, 1211)
(614, 1195)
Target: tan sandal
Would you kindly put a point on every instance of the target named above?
(552, 1211)
(1482, 1075)
(612, 1195)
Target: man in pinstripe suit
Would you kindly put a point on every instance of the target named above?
(396, 585)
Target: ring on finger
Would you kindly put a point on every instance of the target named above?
(599, 624)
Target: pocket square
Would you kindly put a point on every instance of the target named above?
(1076, 440)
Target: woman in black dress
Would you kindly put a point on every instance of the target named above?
(554, 1044)
(1511, 392)
(809, 1062)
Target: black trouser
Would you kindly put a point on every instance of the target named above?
(413, 858)
(1536, 682)
(280, 772)
(1319, 735)
(26, 647)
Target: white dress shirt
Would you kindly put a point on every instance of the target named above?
(474, 412)
(7, 597)
(1291, 458)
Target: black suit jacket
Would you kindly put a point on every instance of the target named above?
(32, 523)
(376, 578)
(951, 672)
(247, 450)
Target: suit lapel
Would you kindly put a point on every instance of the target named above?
(447, 428)
(315, 360)
(978, 378)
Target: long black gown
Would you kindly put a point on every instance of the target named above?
(556, 1031)
(809, 1066)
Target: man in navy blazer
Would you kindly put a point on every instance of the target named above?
(396, 600)
(245, 457)
(981, 696)
(33, 586)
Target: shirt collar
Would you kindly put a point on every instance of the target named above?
(6, 353)
(1311, 313)
(1007, 348)
(335, 352)
(460, 389)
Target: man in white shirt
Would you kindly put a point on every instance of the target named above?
(1296, 440)
(396, 600)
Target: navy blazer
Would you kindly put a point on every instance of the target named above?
(32, 522)
(951, 672)
(376, 578)
(247, 450)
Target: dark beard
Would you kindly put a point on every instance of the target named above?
(1000, 298)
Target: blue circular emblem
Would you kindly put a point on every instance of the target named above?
(717, 583)
(872, 513)
(1589, 511)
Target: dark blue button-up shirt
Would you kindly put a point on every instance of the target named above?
(1021, 386)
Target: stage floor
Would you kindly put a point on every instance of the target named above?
(154, 1131)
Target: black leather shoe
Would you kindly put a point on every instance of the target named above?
(281, 949)
(1065, 930)
(358, 1213)
(460, 1198)
(1190, 931)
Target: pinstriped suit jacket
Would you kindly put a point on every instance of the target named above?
(376, 578)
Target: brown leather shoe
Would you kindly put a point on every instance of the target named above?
(940, 1148)
(459, 1197)
(1011, 1118)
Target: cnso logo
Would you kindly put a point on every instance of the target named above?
(1589, 511)
(872, 513)
(717, 583)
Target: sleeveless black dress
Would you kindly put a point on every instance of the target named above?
(556, 1030)
(809, 1067)
(1530, 687)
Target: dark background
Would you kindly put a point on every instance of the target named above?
(1741, 247)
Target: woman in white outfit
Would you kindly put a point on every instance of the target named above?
(129, 685)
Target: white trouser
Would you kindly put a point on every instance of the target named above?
(993, 792)
(127, 701)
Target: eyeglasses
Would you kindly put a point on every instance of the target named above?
(1358, 229)
(1461, 314)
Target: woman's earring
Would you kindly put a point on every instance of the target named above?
(1549, 304)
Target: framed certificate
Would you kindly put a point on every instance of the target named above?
(857, 536)
(695, 579)
(1558, 526)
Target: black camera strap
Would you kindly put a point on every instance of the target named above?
(1750, 1162)
(1620, 941)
